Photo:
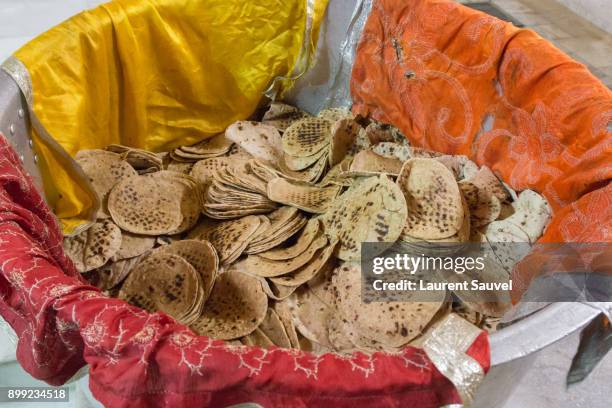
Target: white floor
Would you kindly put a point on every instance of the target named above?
(544, 384)
(22, 20)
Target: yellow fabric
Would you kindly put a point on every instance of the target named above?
(155, 74)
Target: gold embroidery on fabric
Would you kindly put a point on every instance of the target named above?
(446, 346)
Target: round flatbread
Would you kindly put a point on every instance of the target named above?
(103, 242)
(273, 328)
(343, 135)
(258, 266)
(306, 137)
(139, 159)
(531, 214)
(276, 292)
(104, 169)
(322, 285)
(508, 242)
(162, 282)
(303, 241)
(435, 208)
(159, 203)
(390, 323)
(203, 171)
(277, 238)
(374, 210)
(279, 219)
(260, 141)
(133, 245)
(179, 167)
(468, 314)
(312, 199)
(229, 238)
(310, 316)
(340, 335)
(235, 308)
(484, 207)
(214, 146)
(200, 254)
(258, 338)
(321, 262)
(113, 273)
(393, 150)
(284, 314)
(300, 163)
(74, 247)
(368, 162)
(485, 179)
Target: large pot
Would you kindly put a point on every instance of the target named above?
(513, 349)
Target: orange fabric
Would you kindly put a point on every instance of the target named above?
(459, 81)
(589, 220)
(440, 71)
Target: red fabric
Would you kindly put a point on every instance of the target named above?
(139, 359)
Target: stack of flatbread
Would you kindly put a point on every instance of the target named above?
(254, 235)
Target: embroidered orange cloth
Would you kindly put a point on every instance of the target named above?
(459, 81)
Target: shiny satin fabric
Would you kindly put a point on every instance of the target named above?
(157, 74)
